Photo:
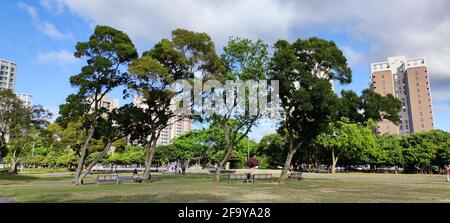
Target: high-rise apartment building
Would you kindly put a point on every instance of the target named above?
(8, 72)
(408, 80)
(174, 129)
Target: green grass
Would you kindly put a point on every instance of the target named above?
(199, 188)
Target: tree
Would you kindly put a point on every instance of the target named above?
(188, 53)
(305, 69)
(418, 152)
(273, 147)
(12, 114)
(442, 141)
(378, 107)
(244, 60)
(348, 139)
(23, 135)
(106, 52)
(390, 151)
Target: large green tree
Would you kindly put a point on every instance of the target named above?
(305, 69)
(106, 52)
(246, 62)
(23, 136)
(348, 139)
(154, 75)
(12, 114)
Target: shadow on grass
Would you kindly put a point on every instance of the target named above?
(144, 198)
(17, 177)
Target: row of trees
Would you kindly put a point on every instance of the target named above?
(351, 145)
(356, 144)
(311, 112)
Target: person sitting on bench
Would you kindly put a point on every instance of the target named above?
(136, 178)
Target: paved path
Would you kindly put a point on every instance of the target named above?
(6, 200)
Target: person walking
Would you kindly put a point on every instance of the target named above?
(183, 168)
(447, 169)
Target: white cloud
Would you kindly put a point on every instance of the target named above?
(52, 6)
(152, 20)
(47, 28)
(390, 27)
(61, 57)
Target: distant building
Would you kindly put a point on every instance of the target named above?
(174, 129)
(8, 71)
(26, 98)
(108, 104)
(407, 80)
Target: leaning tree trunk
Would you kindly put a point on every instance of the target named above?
(287, 163)
(334, 160)
(216, 178)
(13, 168)
(150, 153)
(226, 154)
(95, 161)
(78, 171)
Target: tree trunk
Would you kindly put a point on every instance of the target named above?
(226, 154)
(13, 168)
(95, 161)
(287, 163)
(216, 178)
(334, 160)
(149, 158)
(76, 179)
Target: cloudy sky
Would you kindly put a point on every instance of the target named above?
(40, 35)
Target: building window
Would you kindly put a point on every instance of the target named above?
(422, 125)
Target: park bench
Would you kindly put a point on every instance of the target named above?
(298, 176)
(262, 176)
(108, 178)
(239, 176)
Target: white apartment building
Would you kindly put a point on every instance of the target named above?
(26, 98)
(174, 129)
(8, 71)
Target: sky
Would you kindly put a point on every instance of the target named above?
(40, 35)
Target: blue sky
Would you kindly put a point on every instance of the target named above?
(40, 35)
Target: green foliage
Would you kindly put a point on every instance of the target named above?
(272, 149)
(130, 155)
(352, 140)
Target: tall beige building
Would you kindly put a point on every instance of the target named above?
(408, 80)
(8, 71)
(107, 103)
(174, 129)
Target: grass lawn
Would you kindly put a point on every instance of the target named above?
(51, 187)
